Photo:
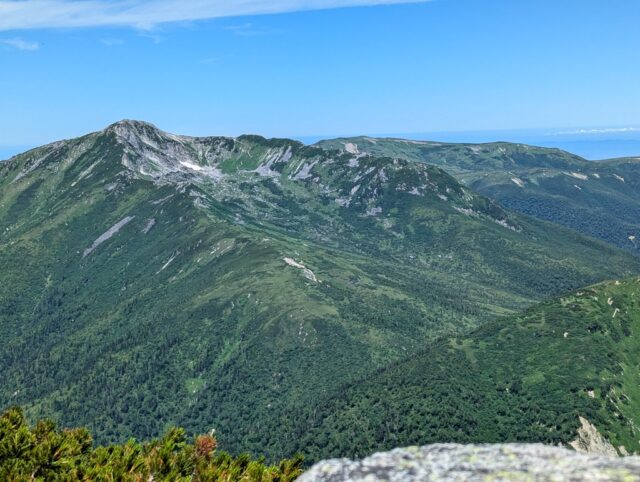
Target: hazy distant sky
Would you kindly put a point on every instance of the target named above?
(298, 68)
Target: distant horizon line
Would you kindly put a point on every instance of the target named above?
(593, 143)
(550, 132)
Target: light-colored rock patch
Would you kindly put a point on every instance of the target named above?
(150, 224)
(373, 211)
(166, 265)
(305, 171)
(351, 148)
(107, 235)
(590, 441)
(310, 275)
(85, 173)
(578, 175)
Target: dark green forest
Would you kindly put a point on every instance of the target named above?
(526, 378)
(261, 291)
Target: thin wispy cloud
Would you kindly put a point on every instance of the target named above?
(111, 42)
(608, 130)
(210, 60)
(156, 39)
(145, 14)
(20, 44)
(249, 30)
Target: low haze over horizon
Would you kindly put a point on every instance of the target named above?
(445, 70)
(592, 144)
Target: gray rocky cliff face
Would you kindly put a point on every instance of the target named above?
(502, 462)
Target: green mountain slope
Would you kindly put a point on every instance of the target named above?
(600, 199)
(150, 279)
(526, 378)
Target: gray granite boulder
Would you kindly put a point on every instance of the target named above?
(501, 462)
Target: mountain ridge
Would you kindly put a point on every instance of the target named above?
(597, 198)
(138, 291)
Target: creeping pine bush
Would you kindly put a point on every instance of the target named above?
(46, 453)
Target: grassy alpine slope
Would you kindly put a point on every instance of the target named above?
(151, 279)
(597, 198)
(524, 378)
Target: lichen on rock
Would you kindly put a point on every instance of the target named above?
(478, 463)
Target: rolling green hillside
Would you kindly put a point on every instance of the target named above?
(150, 279)
(526, 378)
(597, 198)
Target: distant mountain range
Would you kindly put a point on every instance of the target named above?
(590, 143)
(149, 278)
(599, 199)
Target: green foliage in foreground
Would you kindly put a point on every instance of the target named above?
(47, 453)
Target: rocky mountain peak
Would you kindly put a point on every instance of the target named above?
(132, 126)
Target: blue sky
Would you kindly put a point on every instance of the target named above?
(296, 68)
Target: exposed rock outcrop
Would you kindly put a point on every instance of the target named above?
(590, 441)
(471, 463)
